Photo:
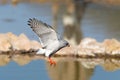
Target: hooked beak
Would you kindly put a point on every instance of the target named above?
(68, 45)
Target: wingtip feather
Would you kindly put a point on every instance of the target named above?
(30, 19)
(28, 23)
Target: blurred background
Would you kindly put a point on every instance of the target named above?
(74, 20)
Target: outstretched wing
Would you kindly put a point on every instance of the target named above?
(45, 32)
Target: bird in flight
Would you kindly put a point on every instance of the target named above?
(50, 41)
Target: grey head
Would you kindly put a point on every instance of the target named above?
(64, 43)
(50, 40)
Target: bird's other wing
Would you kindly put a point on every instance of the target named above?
(45, 32)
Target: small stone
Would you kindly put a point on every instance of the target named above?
(4, 43)
(23, 42)
(35, 45)
(90, 46)
(9, 41)
(112, 46)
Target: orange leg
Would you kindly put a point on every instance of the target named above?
(51, 61)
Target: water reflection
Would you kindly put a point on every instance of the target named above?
(19, 59)
(82, 69)
(4, 60)
(68, 64)
(66, 69)
(22, 59)
(69, 70)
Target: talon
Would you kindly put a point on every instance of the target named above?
(51, 62)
